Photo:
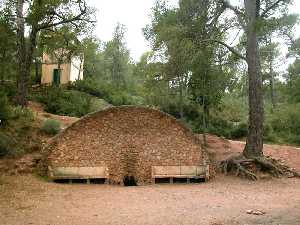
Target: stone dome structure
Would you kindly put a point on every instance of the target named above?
(126, 142)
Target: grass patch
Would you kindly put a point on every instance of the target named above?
(51, 127)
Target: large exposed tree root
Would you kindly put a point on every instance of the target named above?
(250, 167)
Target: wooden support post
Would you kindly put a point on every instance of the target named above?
(171, 180)
(70, 181)
(188, 180)
(153, 180)
(88, 181)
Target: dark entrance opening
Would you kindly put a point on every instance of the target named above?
(162, 180)
(78, 181)
(61, 181)
(98, 181)
(179, 180)
(197, 180)
(129, 181)
(56, 77)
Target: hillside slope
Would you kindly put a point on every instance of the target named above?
(222, 149)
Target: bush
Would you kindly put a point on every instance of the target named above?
(6, 145)
(106, 91)
(94, 88)
(98, 104)
(239, 131)
(22, 113)
(51, 127)
(10, 89)
(5, 109)
(268, 133)
(285, 123)
(65, 102)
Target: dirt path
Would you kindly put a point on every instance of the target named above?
(38, 109)
(27, 200)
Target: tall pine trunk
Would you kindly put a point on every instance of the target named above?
(25, 52)
(21, 55)
(271, 77)
(254, 143)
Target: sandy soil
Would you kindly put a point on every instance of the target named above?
(288, 154)
(28, 200)
(222, 149)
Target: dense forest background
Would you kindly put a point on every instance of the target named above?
(191, 73)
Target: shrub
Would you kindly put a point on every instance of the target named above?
(94, 88)
(98, 104)
(65, 102)
(285, 123)
(268, 133)
(22, 113)
(5, 109)
(239, 131)
(6, 145)
(10, 89)
(107, 92)
(51, 127)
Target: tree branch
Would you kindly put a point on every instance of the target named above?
(48, 25)
(232, 49)
(240, 15)
(63, 20)
(268, 9)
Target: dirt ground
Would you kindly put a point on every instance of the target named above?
(223, 149)
(225, 200)
(28, 200)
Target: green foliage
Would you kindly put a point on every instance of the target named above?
(220, 127)
(7, 145)
(93, 87)
(5, 109)
(294, 90)
(22, 113)
(239, 131)
(51, 127)
(294, 49)
(62, 43)
(7, 48)
(233, 108)
(93, 58)
(106, 91)
(98, 104)
(269, 134)
(19, 134)
(285, 123)
(117, 58)
(9, 88)
(64, 102)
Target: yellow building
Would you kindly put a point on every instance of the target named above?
(69, 72)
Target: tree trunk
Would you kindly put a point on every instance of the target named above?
(272, 89)
(37, 71)
(273, 100)
(254, 143)
(204, 124)
(24, 55)
(80, 66)
(21, 56)
(181, 97)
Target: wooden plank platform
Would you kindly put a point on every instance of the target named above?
(180, 172)
(78, 173)
(81, 181)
